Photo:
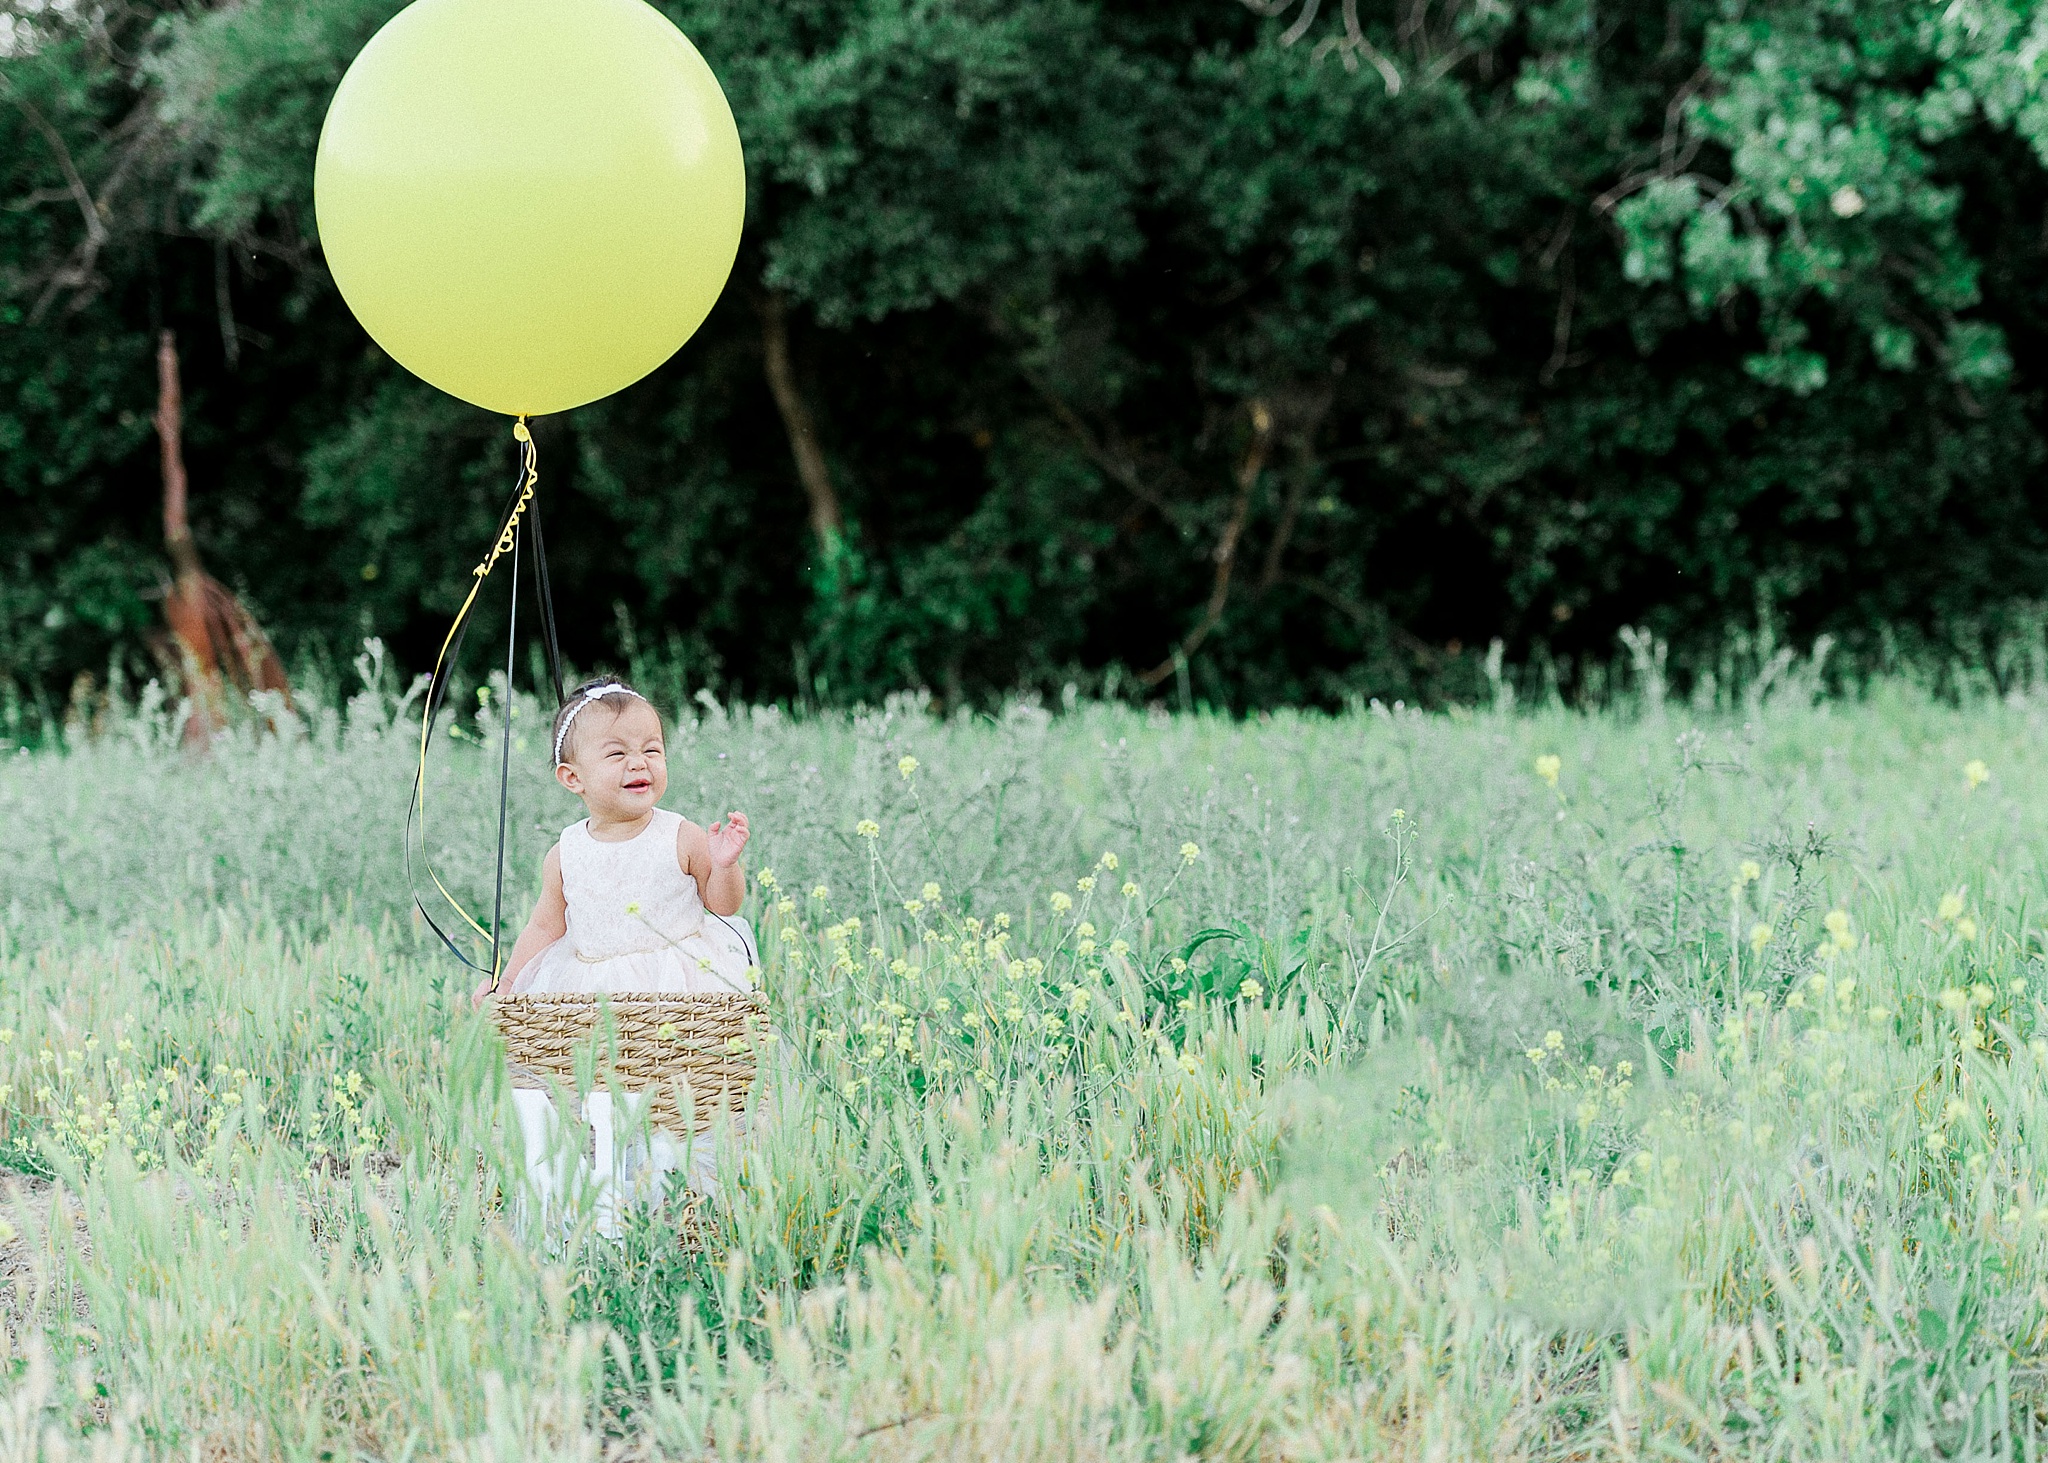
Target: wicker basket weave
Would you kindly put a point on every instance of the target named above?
(648, 1043)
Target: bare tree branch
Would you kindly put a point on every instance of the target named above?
(811, 470)
(77, 270)
(1559, 238)
(1561, 330)
(1301, 414)
(1360, 615)
(1283, 532)
(74, 185)
(224, 308)
(1113, 457)
(1226, 547)
(1674, 119)
(1353, 44)
(1673, 157)
(1301, 24)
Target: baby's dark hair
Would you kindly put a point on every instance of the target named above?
(613, 694)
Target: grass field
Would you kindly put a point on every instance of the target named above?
(1352, 1087)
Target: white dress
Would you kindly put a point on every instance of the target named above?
(635, 921)
(636, 924)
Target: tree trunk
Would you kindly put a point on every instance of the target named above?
(215, 636)
(185, 603)
(1225, 555)
(796, 420)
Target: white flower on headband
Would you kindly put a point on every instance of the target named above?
(594, 693)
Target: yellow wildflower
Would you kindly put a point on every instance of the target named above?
(907, 766)
(1759, 936)
(1976, 774)
(867, 828)
(1548, 766)
(1951, 906)
(1189, 853)
(1061, 901)
(1967, 928)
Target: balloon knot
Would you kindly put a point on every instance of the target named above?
(519, 432)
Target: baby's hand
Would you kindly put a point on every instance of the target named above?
(727, 840)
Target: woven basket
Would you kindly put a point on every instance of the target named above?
(648, 1043)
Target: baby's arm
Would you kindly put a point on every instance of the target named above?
(549, 922)
(713, 860)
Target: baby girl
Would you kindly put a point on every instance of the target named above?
(625, 894)
(634, 898)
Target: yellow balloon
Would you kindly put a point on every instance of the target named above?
(529, 203)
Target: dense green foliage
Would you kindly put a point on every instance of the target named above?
(1385, 1085)
(1322, 343)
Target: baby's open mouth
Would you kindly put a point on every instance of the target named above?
(639, 784)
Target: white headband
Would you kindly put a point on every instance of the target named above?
(595, 693)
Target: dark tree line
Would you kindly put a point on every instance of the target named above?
(1279, 351)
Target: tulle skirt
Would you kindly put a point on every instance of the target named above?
(718, 957)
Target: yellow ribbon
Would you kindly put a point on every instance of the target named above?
(530, 478)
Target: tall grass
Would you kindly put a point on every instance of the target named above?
(1316, 1087)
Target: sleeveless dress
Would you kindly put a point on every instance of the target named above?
(636, 923)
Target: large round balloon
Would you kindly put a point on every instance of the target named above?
(529, 203)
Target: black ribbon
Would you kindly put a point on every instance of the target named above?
(515, 522)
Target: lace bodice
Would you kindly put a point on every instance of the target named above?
(628, 898)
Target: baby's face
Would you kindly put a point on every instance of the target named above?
(616, 765)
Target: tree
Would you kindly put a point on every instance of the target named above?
(1271, 352)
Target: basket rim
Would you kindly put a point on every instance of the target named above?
(593, 998)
